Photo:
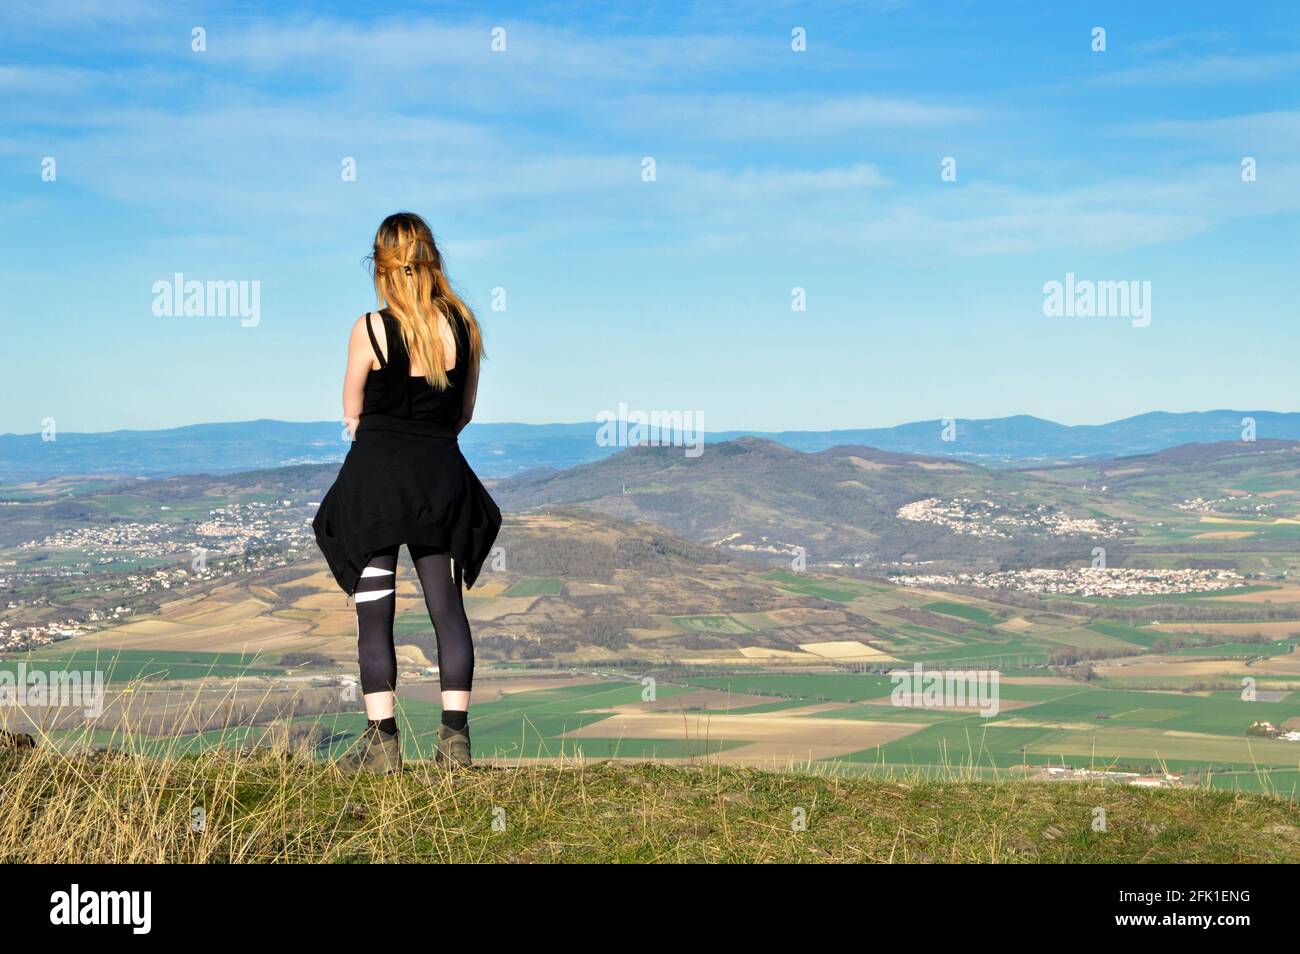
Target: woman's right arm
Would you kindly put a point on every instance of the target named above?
(361, 359)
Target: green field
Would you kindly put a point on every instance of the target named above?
(1239, 650)
(838, 591)
(1202, 735)
(412, 623)
(963, 611)
(536, 586)
(1129, 634)
(128, 665)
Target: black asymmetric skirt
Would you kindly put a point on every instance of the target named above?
(404, 481)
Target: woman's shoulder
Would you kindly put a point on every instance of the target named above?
(373, 319)
(370, 330)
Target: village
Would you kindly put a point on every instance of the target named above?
(1086, 581)
(233, 540)
(987, 518)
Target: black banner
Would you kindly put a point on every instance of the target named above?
(141, 904)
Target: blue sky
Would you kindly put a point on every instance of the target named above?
(775, 169)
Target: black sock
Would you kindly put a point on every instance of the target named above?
(456, 719)
(387, 726)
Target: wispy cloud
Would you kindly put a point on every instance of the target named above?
(1206, 70)
(747, 116)
(1275, 132)
(773, 168)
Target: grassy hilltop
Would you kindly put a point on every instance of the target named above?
(270, 807)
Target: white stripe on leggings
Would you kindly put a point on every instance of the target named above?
(366, 596)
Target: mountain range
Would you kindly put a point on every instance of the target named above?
(505, 449)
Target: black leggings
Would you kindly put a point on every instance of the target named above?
(377, 602)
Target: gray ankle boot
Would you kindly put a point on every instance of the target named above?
(453, 747)
(376, 753)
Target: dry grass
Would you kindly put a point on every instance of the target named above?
(272, 806)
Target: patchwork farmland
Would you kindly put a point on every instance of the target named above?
(603, 636)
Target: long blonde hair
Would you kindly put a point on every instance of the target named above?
(410, 282)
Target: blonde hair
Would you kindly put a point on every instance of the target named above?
(410, 283)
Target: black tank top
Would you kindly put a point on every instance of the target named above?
(392, 391)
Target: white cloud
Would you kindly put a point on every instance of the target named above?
(783, 117)
(1213, 69)
(1277, 131)
(250, 136)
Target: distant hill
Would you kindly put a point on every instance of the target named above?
(760, 498)
(502, 450)
(493, 449)
(843, 504)
(1011, 440)
(1178, 459)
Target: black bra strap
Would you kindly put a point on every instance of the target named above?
(374, 342)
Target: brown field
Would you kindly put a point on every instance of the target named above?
(585, 588)
(1168, 666)
(868, 464)
(1039, 681)
(1288, 665)
(762, 652)
(1287, 593)
(661, 633)
(847, 650)
(1015, 624)
(934, 465)
(1020, 723)
(800, 739)
(411, 654)
(249, 618)
(226, 620)
(489, 689)
(802, 616)
(803, 660)
(499, 607)
(712, 700)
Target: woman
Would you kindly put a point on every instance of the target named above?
(409, 389)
